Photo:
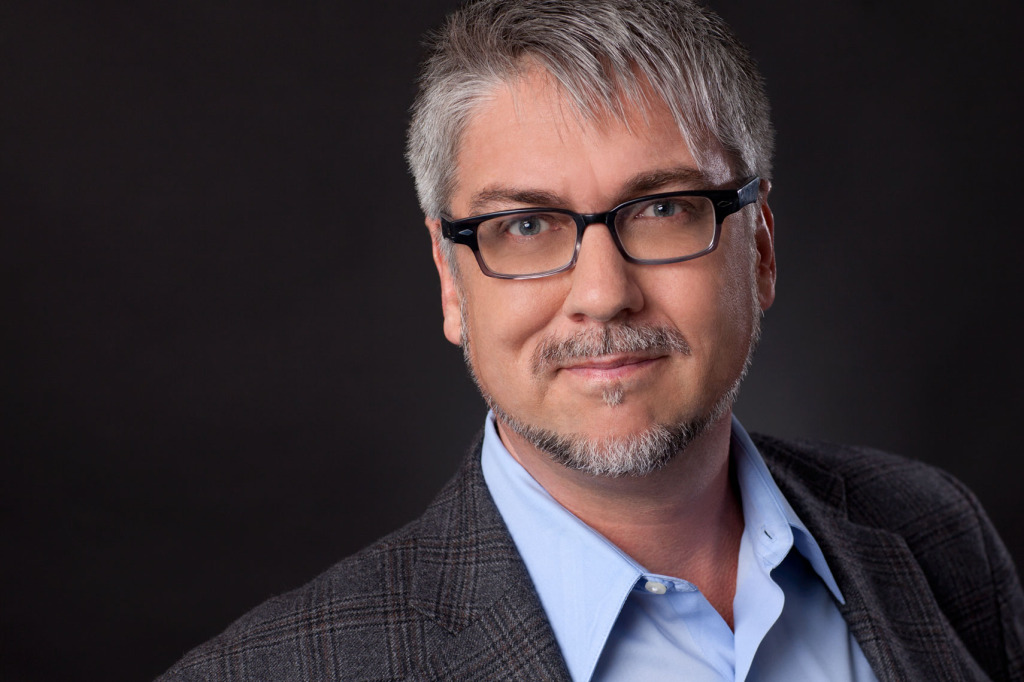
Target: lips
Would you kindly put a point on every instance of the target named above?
(603, 362)
(609, 367)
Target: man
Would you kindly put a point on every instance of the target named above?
(595, 178)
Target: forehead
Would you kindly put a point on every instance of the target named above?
(527, 136)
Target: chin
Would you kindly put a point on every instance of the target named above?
(626, 446)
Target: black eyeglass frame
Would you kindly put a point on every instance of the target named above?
(725, 201)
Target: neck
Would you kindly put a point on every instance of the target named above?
(684, 521)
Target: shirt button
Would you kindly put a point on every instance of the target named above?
(655, 587)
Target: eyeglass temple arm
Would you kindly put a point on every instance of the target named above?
(744, 195)
(748, 193)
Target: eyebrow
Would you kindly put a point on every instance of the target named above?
(641, 183)
(690, 178)
(485, 198)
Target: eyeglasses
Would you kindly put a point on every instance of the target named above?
(661, 228)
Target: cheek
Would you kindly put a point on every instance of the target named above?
(736, 302)
(709, 300)
(506, 318)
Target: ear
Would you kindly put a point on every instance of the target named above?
(450, 294)
(764, 240)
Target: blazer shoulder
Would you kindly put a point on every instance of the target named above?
(353, 602)
(838, 488)
(281, 633)
(877, 488)
(445, 597)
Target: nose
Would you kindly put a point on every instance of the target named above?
(603, 285)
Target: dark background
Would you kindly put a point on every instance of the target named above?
(224, 362)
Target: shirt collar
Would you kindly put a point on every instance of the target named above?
(765, 508)
(583, 580)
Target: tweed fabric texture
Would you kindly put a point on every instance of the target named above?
(931, 593)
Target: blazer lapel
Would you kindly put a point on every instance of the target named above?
(889, 605)
(470, 581)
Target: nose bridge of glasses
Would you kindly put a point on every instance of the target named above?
(608, 220)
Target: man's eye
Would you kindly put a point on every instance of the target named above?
(526, 226)
(663, 209)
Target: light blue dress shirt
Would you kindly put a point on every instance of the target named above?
(615, 621)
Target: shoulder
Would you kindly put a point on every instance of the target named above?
(372, 615)
(282, 638)
(884, 517)
(874, 485)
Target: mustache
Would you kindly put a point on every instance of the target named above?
(607, 340)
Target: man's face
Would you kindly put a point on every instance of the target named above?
(524, 148)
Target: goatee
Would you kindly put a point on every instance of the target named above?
(635, 454)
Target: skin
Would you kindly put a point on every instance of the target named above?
(523, 147)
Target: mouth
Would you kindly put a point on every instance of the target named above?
(608, 349)
(613, 367)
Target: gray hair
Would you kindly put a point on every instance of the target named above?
(600, 52)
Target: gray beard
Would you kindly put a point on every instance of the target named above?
(636, 454)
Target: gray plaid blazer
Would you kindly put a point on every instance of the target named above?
(931, 593)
